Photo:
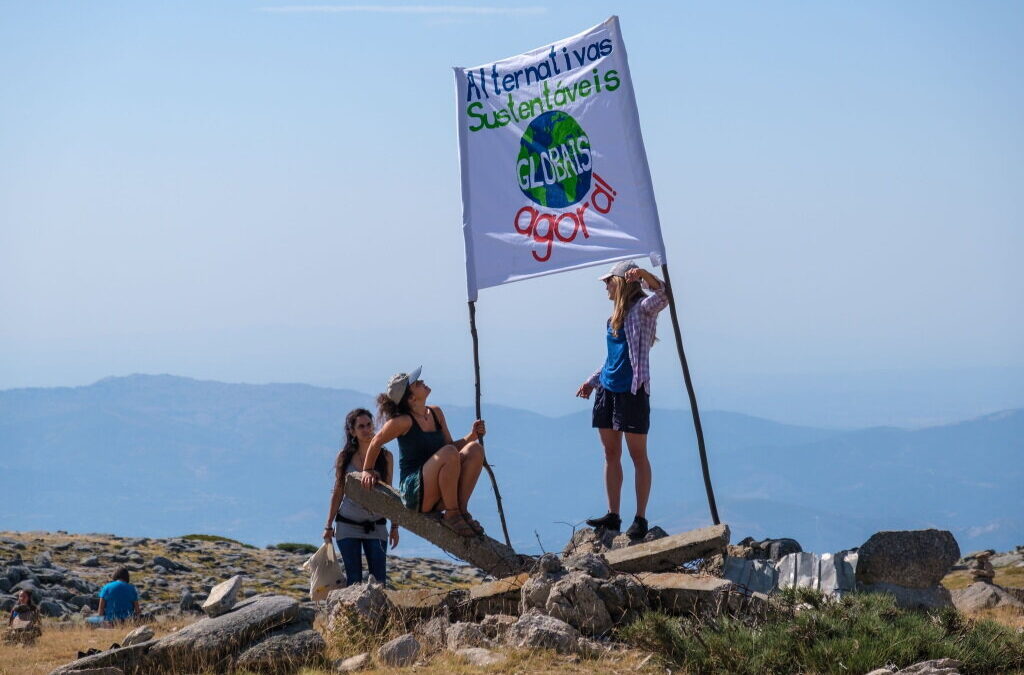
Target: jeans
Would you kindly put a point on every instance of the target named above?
(376, 559)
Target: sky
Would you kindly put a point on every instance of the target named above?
(269, 192)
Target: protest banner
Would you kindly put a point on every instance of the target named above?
(555, 176)
(554, 173)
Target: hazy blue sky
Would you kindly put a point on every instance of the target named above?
(264, 191)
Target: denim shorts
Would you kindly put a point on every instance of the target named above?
(622, 411)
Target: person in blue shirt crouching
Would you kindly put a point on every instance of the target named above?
(119, 600)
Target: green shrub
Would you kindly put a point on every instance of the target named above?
(855, 634)
(292, 547)
(214, 537)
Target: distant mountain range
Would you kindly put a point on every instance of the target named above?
(162, 456)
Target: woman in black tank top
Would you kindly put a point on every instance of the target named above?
(436, 472)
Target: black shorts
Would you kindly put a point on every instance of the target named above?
(622, 411)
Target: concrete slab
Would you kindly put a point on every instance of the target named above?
(419, 604)
(496, 597)
(678, 593)
(668, 553)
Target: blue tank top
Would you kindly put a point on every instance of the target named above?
(617, 374)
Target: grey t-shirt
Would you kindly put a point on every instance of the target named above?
(353, 511)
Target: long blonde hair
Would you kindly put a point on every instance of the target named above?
(624, 295)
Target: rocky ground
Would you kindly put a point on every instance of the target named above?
(65, 571)
(585, 610)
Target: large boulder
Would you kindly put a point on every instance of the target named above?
(575, 600)
(912, 559)
(535, 630)
(283, 650)
(933, 597)
(623, 596)
(211, 640)
(981, 595)
(364, 603)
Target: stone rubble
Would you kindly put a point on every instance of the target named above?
(568, 603)
(64, 572)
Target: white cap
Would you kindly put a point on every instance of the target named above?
(399, 383)
(619, 269)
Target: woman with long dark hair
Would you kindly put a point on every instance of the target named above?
(437, 472)
(357, 530)
(622, 405)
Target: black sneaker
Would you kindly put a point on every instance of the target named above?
(638, 530)
(609, 521)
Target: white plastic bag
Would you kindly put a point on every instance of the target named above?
(325, 574)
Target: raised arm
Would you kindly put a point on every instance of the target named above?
(658, 300)
(391, 430)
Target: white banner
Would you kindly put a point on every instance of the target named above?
(554, 173)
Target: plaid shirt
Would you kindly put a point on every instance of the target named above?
(640, 325)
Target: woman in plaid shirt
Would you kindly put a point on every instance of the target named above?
(622, 404)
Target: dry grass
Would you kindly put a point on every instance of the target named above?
(60, 643)
(1005, 576)
(521, 661)
(530, 661)
(1008, 616)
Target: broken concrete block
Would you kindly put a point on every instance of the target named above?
(677, 593)
(496, 597)
(832, 574)
(419, 604)
(662, 555)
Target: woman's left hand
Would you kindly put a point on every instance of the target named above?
(479, 430)
(393, 537)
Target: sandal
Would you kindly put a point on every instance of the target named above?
(473, 522)
(457, 524)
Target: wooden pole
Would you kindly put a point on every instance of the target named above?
(693, 398)
(476, 374)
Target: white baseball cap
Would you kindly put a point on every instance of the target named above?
(399, 382)
(619, 269)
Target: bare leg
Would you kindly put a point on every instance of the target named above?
(612, 442)
(471, 457)
(441, 479)
(637, 445)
